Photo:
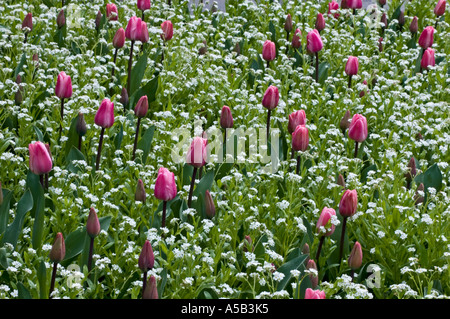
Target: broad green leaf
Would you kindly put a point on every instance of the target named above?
(72, 136)
(13, 231)
(74, 155)
(3, 259)
(148, 89)
(137, 73)
(42, 279)
(293, 264)
(432, 177)
(145, 142)
(323, 71)
(4, 210)
(19, 67)
(23, 291)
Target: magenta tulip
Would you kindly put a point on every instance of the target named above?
(136, 30)
(313, 45)
(93, 224)
(167, 30)
(314, 294)
(60, 19)
(111, 12)
(296, 39)
(426, 37)
(150, 291)
(414, 26)
(57, 254)
(226, 118)
(439, 10)
(347, 208)
(165, 189)
(197, 153)
(119, 38)
(333, 6)
(320, 22)
(105, 114)
(325, 222)
(63, 88)
(427, 59)
(300, 138)
(143, 4)
(270, 101)
(358, 130)
(382, 2)
(269, 51)
(40, 160)
(27, 22)
(351, 68)
(295, 119)
(146, 257)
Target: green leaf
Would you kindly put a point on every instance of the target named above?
(40, 136)
(148, 89)
(137, 73)
(23, 291)
(366, 170)
(145, 143)
(432, 177)
(13, 231)
(293, 264)
(72, 136)
(42, 279)
(3, 259)
(4, 210)
(19, 67)
(34, 184)
(323, 71)
(74, 155)
(205, 183)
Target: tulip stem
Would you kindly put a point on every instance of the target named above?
(356, 149)
(349, 81)
(26, 37)
(194, 174)
(341, 248)
(268, 64)
(163, 221)
(130, 64)
(317, 67)
(352, 274)
(268, 125)
(136, 137)
(91, 250)
(41, 179)
(298, 164)
(62, 115)
(99, 151)
(52, 283)
(144, 282)
(80, 141)
(319, 248)
(114, 66)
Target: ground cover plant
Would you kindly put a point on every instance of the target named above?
(110, 190)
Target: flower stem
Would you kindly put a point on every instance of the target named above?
(317, 67)
(298, 164)
(52, 283)
(341, 248)
(163, 222)
(356, 149)
(194, 174)
(349, 81)
(268, 125)
(144, 282)
(62, 115)
(130, 64)
(91, 250)
(114, 67)
(80, 140)
(319, 248)
(99, 151)
(136, 137)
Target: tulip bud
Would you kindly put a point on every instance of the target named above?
(348, 203)
(426, 37)
(354, 4)
(314, 294)
(111, 12)
(314, 41)
(150, 291)
(140, 194)
(27, 23)
(210, 208)
(325, 221)
(384, 20)
(305, 249)
(146, 258)
(320, 22)
(60, 19)
(226, 119)
(203, 49)
(351, 68)
(427, 59)
(81, 125)
(439, 10)
(341, 181)
(300, 138)
(411, 171)
(271, 98)
(248, 244)
(401, 19)
(288, 23)
(295, 119)
(167, 30)
(124, 97)
(356, 255)
(58, 251)
(197, 153)
(380, 44)
(357, 130)
(345, 121)
(143, 4)
(40, 159)
(296, 40)
(141, 107)
(382, 2)
(314, 278)
(414, 26)
(269, 51)
(93, 224)
(418, 198)
(119, 38)
(98, 19)
(165, 187)
(18, 98)
(237, 48)
(105, 114)
(63, 88)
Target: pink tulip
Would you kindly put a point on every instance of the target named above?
(348, 203)
(288, 23)
(28, 22)
(427, 59)
(93, 224)
(356, 256)
(167, 30)
(143, 4)
(140, 195)
(351, 68)
(358, 128)
(314, 41)
(150, 291)
(165, 186)
(296, 118)
(40, 160)
(414, 26)
(269, 51)
(60, 19)
(137, 30)
(311, 264)
(333, 5)
(63, 88)
(320, 22)
(325, 221)
(197, 153)
(354, 4)
(146, 258)
(271, 98)
(105, 114)
(210, 208)
(226, 119)
(296, 39)
(426, 37)
(111, 12)
(141, 107)
(300, 138)
(58, 251)
(439, 10)
(119, 38)
(314, 294)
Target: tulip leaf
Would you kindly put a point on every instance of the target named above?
(42, 279)
(148, 89)
(74, 155)
(72, 136)
(137, 73)
(23, 291)
(323, 71)
(204, 184)
(4, 210)
(19, 67)
(432, 177)
(3, 259)
(145, 143)
(295, 261)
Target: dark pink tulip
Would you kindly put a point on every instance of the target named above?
(414, 26)
(320, 22)
(111, 12)
(325, 221)
(311, 264)
(269, 51)
(63, 88)
(426, 37)
(314, 294)
(296, 118)
(226, 119)
(28, 22)
(167, 30)
(296, 39)
(98, 19)
(439, 10)
(348, 203)
(150, 291)
(358, 128)
(119, 38)
(288, 23)
(427, 59)
(136, 30)
(93, 224)
(333, 5)
(105, 114)
(210, 208)
(58, 251)
(146, 258)
(271, 98)
(314, 41)
(143, 4)
(140, 194)
(300, 138)
(351, 68)
(344, 4)
(384, 20)
(61, 19)
(165, 187)
(354, 4)
(197, 153)
(141, 107)
(382, 2)
(40, 159)
(356, 256)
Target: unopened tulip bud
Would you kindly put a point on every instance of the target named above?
(401, 19)
(36, 59)
(124, 97)
(356, 256)
(325, 221)
(426, 38)
(203, 49)
(439, 10)
(380, 44)
(119, 38)
(384, 20)
(248, 244)
(295, 119)
(300, 138)
(40, 159)
(305, 249)
(288, 23)
(271, 98)
(296, 39)
(151, 289)
(414, 26)
(269, 51)
(237, 48)
(314, 278)
(141, 107)
(146, 258)
(18, 98)
(418, 198)
(344, 124)
(93, 224)
(320, 22)
(341, 181)
(143, 4)
(351, 68)
(167, 30)
(60, 19)
(81, 125)
(98, 19)
(210, 208)
(226, 118)
(27, 23)
(140, 194)
(348, 203)
(314, 41)
(58, 251)
(411, 170)
(63, 88)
